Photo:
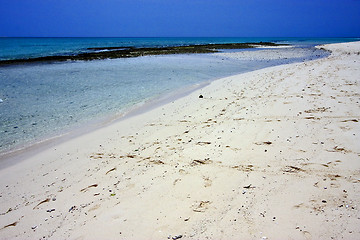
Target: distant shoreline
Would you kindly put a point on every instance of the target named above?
(98, 53)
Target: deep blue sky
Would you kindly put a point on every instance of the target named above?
(180, 18)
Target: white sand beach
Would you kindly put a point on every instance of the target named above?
(270, 154)
(267, 54)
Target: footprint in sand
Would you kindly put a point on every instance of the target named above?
(202, 206)
(207, 182)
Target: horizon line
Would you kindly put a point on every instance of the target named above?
(176, 37)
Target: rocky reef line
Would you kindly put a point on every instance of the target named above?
(128, 52)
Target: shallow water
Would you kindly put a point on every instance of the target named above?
(43, 100)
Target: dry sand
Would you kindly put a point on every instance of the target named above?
(270, 154)
(267, 54)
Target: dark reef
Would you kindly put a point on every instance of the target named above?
(128, 52)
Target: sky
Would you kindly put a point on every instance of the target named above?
(179, 18)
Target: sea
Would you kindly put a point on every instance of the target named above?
(42, 101)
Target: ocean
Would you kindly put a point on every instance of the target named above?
(39, 101)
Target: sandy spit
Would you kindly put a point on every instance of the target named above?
(270, 154)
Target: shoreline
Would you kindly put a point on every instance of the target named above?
(270, 153)
(20, 153)
(31, 146)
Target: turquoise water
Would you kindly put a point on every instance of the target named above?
(38, 101)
